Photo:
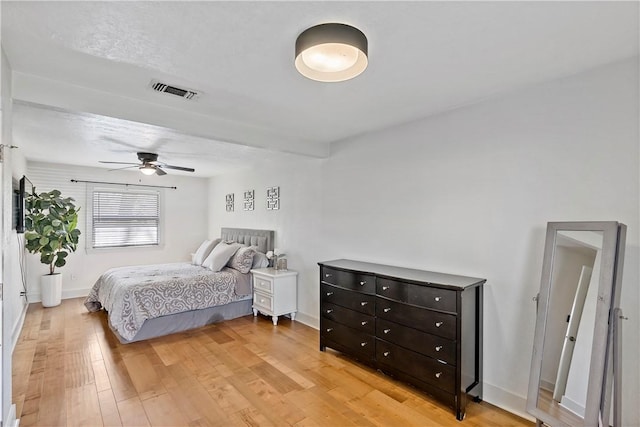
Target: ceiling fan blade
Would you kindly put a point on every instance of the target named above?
(180, 168)
(126, 167)
(118, 163)
(159, 171)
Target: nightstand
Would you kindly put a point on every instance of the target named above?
(275, 292)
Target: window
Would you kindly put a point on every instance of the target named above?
(124, 219)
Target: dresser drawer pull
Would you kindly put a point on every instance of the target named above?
(363, 282)
(386, 331)
(386, 353)
(327, 275)
(362, 344)
(329, 294)
(329, 329)
(437, 299)
(329, 310)
(262, 301)
(438, 324)
(438, 374)
(438, 347)
(363, 303)
(384, 288)
(364, 322)
(386, 310)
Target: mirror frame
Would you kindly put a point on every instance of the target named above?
(613, 240)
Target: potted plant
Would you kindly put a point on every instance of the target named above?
(50, 224)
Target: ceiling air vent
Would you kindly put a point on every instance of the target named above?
(182, 93)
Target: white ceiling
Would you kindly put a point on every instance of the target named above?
(82, 71)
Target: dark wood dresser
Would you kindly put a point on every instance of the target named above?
(420, 327)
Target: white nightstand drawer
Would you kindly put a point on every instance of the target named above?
(261, 300)
(263, 284)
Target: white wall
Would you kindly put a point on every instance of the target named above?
(470, 192)
(184, 213)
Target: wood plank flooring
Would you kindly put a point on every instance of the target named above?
(69, 369)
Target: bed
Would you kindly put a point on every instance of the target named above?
(149, 301)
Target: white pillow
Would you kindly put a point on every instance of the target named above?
(220, 255)
(203, 251)
(260, 260)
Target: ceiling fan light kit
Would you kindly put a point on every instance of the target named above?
(150, 165)
(331, 52)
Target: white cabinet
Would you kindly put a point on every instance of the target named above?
(275, 292)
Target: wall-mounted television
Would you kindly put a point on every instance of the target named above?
(21, 189)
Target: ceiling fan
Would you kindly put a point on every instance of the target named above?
(149, 165)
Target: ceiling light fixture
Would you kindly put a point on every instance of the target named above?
(331, 52)
(147, 169)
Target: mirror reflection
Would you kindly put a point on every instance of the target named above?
(571, 315)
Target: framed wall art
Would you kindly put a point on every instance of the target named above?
(273, 198)
(229, 201)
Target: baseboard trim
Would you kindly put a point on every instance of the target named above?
(17, 328)
(506, 400)
(66, 294)
(310, 321)
(11, 417)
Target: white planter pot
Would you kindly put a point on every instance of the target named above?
(51, 289)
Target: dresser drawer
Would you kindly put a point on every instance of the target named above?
(433, 322)
(353, 319)
(423, 296)
(261, 300)
(348, 280)
(418, 341)
(350, 299)
(418, 366)
(347, 339)
(263, 283)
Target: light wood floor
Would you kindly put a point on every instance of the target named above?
(70, 370)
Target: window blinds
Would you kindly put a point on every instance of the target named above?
(125, 219)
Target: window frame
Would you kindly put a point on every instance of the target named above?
(92, 189)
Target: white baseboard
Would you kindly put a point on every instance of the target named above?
(17, 328)
(310, 321)
(573, 406)
(66, 294)
(506, 400)
(11, 417)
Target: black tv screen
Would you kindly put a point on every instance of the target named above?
(24, 188)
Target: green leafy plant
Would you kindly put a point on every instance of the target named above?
(50, 224)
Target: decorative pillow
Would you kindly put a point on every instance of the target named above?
(203, 251)
(220, 255)
(242, 260)
(260, 260)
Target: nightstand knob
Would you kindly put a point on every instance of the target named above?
(363, 303)
(386, 310)
(384, 288)
(362, 344)
(262, 300)
(329, 310)
(386, 353)
(362, 283)
(329, 294)
(329, 329)
(437, 299)
(328, 275)
(438, 324)
(438, 348)
(386, 331)
(364, 322)
(438, 374)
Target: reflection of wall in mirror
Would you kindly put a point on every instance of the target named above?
(578, 379)
(568, 262)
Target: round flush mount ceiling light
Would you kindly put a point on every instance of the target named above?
(331, 52)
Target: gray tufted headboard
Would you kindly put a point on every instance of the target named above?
(263, 239)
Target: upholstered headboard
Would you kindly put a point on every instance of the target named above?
(263, 239)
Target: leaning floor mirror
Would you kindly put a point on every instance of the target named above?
(570, 382)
